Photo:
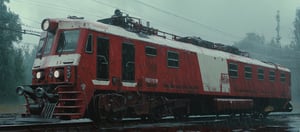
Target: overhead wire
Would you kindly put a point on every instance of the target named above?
(114, 7)
(177, 16)
(26, 25)
(60, 7)
(30, 19)
(189, 20)
(23, 31)
(169, 27)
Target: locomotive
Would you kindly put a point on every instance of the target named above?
(117, 67)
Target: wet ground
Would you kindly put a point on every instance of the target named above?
(273, 123)
(11, 108)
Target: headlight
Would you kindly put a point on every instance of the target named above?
(39, 75)
(58, 73)
(45, 24)
(20, 90)
(49, 25)
(39, 92)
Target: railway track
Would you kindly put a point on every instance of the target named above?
(16, 124)
(82, 125)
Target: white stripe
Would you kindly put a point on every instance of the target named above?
(212, 71)
(129, 84)
(99, 82)
(56, 60)
(101, 27)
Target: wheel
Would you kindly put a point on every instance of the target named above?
(95, 111)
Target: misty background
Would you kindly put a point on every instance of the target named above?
(247, 24)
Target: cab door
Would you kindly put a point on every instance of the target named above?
(102, 58)
(128, 62)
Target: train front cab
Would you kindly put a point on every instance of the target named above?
(55, 90)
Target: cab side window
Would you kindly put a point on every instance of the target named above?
(89, 44)
(272, 75)
(173, 59)
(233, 70)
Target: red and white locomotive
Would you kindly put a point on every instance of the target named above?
(117, 68)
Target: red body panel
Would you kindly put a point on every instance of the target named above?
(153, 75)
(186, 79)
(260, 88)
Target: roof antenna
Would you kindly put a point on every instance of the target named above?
(278, 28)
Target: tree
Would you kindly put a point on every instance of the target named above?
(11, 59)
(29, 57)
(296, 41)
(273, 43)
(251, 41)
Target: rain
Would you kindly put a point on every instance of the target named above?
(268, 31)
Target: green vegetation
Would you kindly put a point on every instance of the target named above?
(11, 58)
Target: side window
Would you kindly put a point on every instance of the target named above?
(233, 70)
(282, 77)
(271, 75)
(150, 51)
(89, 44)
(248, 72)
(260, 74)
(173, 59)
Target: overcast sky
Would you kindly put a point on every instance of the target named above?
(225, 21)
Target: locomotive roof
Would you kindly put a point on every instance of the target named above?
(115, 30)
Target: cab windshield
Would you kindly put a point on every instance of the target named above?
(45, 44)
(40, 47)
(48, 44)
(67, 41)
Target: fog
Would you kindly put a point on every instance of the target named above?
(285, 57)
(224, 21)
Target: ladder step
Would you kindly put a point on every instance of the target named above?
(69, 92)
(67, 107)
(48, 110)
(66, 114)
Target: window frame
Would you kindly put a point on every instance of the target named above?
(40, 48)
(92, 42)
(259, 74)
(282, 78)
(132, 62)
(272, 76)
(150, 47)
(172, 59)
(106, 58)
(248, 72)
(63, 49)
(233, 70)
(48, 42)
